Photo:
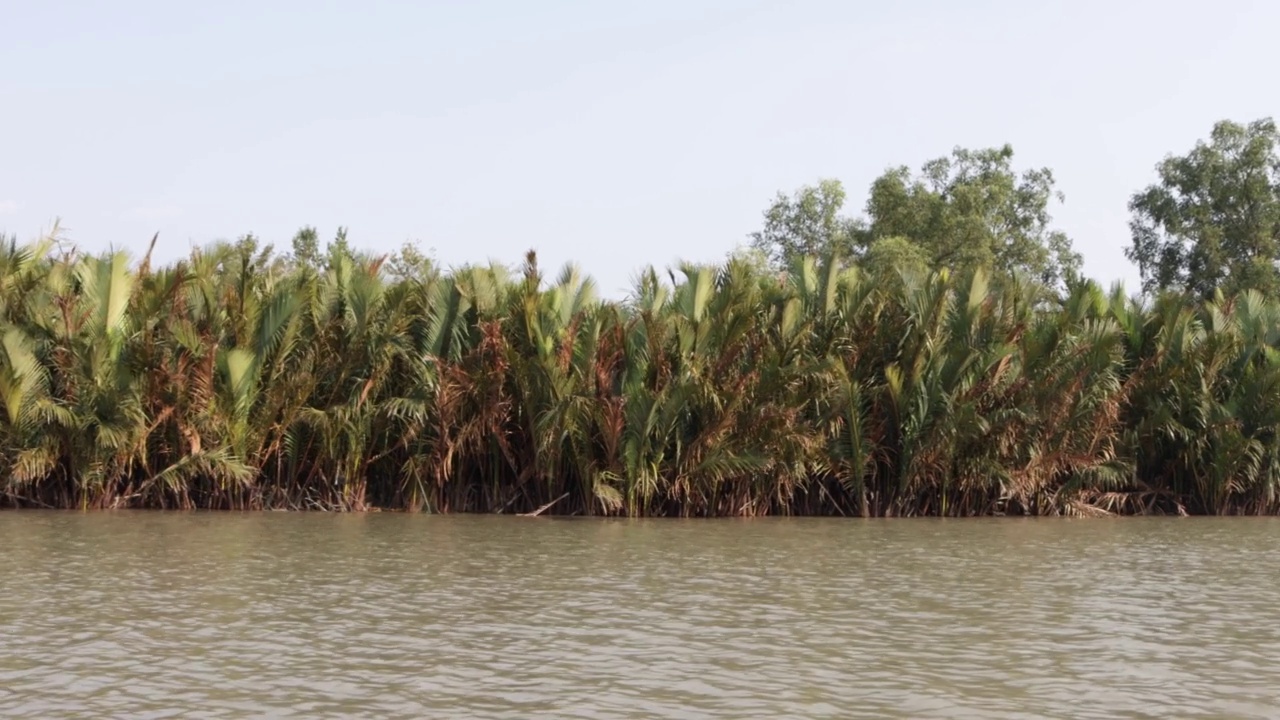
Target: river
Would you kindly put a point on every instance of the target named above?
(155, 615)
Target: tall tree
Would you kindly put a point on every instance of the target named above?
(306, 247)
(808, 223)
(972, 209)
(1213, 219)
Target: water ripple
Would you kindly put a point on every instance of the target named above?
(390, 616)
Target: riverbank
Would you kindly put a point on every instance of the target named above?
(240, 379)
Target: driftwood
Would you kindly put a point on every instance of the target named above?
(544, 508)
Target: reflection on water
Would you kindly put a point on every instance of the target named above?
(381, 616)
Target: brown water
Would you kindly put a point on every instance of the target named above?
(393, 616)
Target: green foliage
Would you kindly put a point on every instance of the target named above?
(306, 247)
(237, 379)
(1213, 219)
(410, 262)
(973, 210)
(807, 223)
(890, 255)
(970, 210)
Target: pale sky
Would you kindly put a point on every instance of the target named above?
(614, 135)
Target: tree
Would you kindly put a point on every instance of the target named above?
(807, 223)
(973, 210)
(891, 255)
(410, 263)
(306, 247)
(1213, 220)
(964, 211)
(339, 247)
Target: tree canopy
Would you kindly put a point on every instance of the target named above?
(970, 209)
(973, 209)
(808, 223)
(1213, 220)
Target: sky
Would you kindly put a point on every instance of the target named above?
(613, 135)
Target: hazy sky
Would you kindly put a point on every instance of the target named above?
(615, 135)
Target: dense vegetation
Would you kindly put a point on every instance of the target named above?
(830, 381)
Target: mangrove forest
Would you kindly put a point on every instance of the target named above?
(940, 355)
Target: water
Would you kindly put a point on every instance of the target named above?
(393, 616)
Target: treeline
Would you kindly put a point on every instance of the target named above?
(831, 382)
